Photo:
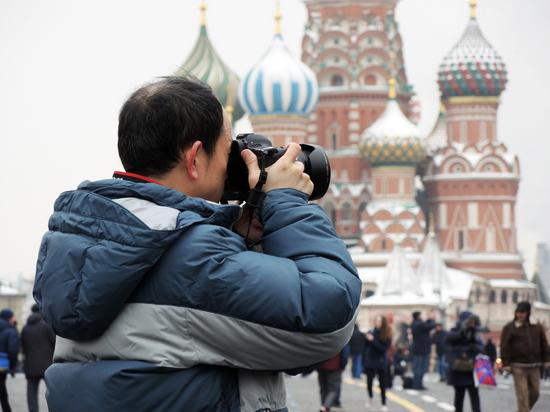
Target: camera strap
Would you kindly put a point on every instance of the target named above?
(256, 197)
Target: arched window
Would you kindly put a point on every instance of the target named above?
(515, 297)
(346, 212)
(370, 79)
(334, 141)
(503, 297)
(492, 297)
(478, 295)
(331, 212)
(336, 80)
(383, 244)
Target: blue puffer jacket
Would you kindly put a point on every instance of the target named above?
(158, 304)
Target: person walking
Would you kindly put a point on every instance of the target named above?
(464, 345)
(357, 345)
(438, 339)
(329, 374)
(524, 349)
(491, 351)
(37, 344)
(421, 347)
(375, 358)
(9, 346)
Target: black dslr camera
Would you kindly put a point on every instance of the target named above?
(314, 158)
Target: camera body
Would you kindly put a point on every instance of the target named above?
(314, 158)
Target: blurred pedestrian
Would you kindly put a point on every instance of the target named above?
(329, 374)
(375, 358)
(357, 345)
(438, 339)
(9, 347)
(37, 343)
(524, 349)
(421, 347)
(491, 351)
(464, 345)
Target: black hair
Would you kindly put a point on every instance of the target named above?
(162, 118)
(416, 315)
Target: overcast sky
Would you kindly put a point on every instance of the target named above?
(67, 66)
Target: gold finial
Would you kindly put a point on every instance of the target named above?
(278, 17)
(442, 108)
(473, 5)
(202, 8)
(229, 111)
(391, 91)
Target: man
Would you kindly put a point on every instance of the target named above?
(421, 347)
(524, 349)
(329, 375)
(9, 347)
(37, 343)
(357, 345)
(438, 339)
(157, 301)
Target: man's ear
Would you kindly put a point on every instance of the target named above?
(191, 159)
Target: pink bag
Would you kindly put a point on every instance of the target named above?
(483, 371)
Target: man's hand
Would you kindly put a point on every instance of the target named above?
(370, 337)
(432, 315)
(285, 173)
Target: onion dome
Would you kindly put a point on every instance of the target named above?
(472, 67)
(279, 84)
(392, 139)
(438, 136)
(205, 64)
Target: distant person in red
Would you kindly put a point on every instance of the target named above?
(37, 342)
(330, 378)
(9, 346)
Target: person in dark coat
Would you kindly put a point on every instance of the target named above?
(464, 345)
(37, 343)
(357, 345)
(9, 346)
(491, 351)
(421, 347)
(375, 358)
(438, 339)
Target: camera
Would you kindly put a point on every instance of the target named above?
(314, 158)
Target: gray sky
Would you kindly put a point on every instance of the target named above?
(67, 66)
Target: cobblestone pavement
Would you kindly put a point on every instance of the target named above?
(303, 396)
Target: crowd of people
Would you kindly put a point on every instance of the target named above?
(36, 343)
(454, 353)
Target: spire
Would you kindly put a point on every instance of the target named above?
(278, 17)
(473, 5)
(202, 8)
(391, 89)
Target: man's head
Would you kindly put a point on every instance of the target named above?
(7, 315)
(416, 315)
(174, 130)
(438, 327)
(523, 311)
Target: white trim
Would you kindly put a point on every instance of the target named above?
(472, 176)
(473, 218)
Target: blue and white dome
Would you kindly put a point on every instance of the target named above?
(279, 84)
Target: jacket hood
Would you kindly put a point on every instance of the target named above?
(34, 318)
(99, 251)
(4, 325)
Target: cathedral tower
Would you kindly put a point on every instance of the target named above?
(471, 179)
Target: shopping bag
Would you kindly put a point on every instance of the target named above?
(483, 371)
(4, 362)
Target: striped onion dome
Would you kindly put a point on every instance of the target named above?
(279, 84)
(392, 140)
(472, 67)
(205, 64)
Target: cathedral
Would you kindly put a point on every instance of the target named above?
(429, 220)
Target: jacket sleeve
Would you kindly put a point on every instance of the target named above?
(505, 345)
(301, 294)
(13, 348)
(545, 350)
